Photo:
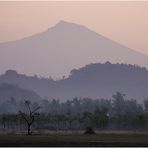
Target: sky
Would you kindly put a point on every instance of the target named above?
(124, 22)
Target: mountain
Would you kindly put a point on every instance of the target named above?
(63, 47)
(41, 86)
(94, 80)
(10, 92)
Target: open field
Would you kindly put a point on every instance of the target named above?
(73, 139)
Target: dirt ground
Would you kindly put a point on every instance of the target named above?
(76, 139)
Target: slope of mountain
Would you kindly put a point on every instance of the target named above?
(42, 86)
(61, 48)
(9, 91)
(94, 80)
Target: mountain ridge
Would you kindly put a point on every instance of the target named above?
(95, 80)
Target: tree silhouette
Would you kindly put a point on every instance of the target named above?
(30, 115)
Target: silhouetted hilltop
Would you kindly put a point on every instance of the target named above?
(94, 81)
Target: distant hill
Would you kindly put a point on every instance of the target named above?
(94, 81)
(13, 92)
(63, 47)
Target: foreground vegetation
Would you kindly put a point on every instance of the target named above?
(78, 122)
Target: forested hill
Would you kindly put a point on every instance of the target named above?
(9, 92)
(94, 81)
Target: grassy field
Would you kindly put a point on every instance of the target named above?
(79, 139)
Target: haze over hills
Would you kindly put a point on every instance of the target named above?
(61, 48)
(10, 92)
(94, 81)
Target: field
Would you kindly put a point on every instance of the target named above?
(76, 139)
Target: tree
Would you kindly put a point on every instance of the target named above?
(4, 121)
(101, 117)
(89, 125)
(88, 119)
(29, 115)
(119, 106)
(146, 105)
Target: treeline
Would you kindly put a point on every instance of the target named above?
(117, 113)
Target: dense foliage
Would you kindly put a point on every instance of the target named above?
(117, 113)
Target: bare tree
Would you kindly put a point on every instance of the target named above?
(30, 115)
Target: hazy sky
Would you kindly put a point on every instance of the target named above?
(125, 22)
